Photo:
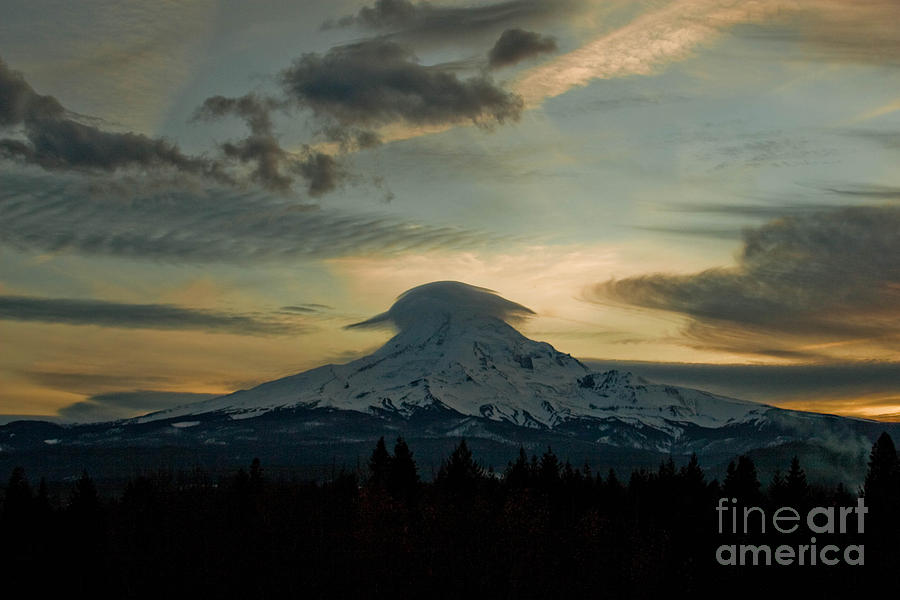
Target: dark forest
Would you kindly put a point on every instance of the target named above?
(542, 528)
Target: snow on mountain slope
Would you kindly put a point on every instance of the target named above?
(455, 349)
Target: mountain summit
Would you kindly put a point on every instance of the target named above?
(456, 350)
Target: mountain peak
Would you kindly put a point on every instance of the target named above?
(455, 349)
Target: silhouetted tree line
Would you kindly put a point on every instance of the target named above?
(543, 528)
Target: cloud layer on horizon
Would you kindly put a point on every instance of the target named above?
(803, 285)
(73, 311)
(112, 406)
(424, 20)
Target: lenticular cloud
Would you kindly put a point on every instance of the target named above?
(446, 298)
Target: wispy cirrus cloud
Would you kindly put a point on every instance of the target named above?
(835, 31)
(214, 224)
(648, 42)
(425, 20)
(830, 30)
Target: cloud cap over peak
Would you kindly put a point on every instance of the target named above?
(446, 298)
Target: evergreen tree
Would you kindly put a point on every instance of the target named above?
(256, 476)
(882, 497)
(84, 500)
(692, 475)
(518, 474)
(548, 471)
(42, 501)
(778, 489)
(403, 477)
(570, 475)
(612, 481)
(666, 470)
(741, 480)
(379, 466)
(460, 472)
(882, 485)
(17, 503)
(796, 487)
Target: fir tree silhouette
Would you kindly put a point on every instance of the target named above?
(518, 474)
(256, 477)
(379, 466)
(548, 471)
(692, 474)
(881, 491)
(17, 503)
(778, 489)
(881, 485)
(460, 472)
(741, 480)
(796, 487)
(84, 500)
(403, 476)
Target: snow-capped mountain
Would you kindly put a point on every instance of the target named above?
(455, 351)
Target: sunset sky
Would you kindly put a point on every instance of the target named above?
(198, 196)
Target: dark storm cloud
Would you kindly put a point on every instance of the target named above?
(821, 278)
(122, 405)
(320, 170)
(352, 90)
(20, 103)
(380, 82)
(426, 20)
(59, 214)
(515, 45)
(254, 109)
(275, 167)
(140, 316)
(54, 140)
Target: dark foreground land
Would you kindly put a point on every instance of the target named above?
(541, 529)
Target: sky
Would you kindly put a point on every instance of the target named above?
(199, 196)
